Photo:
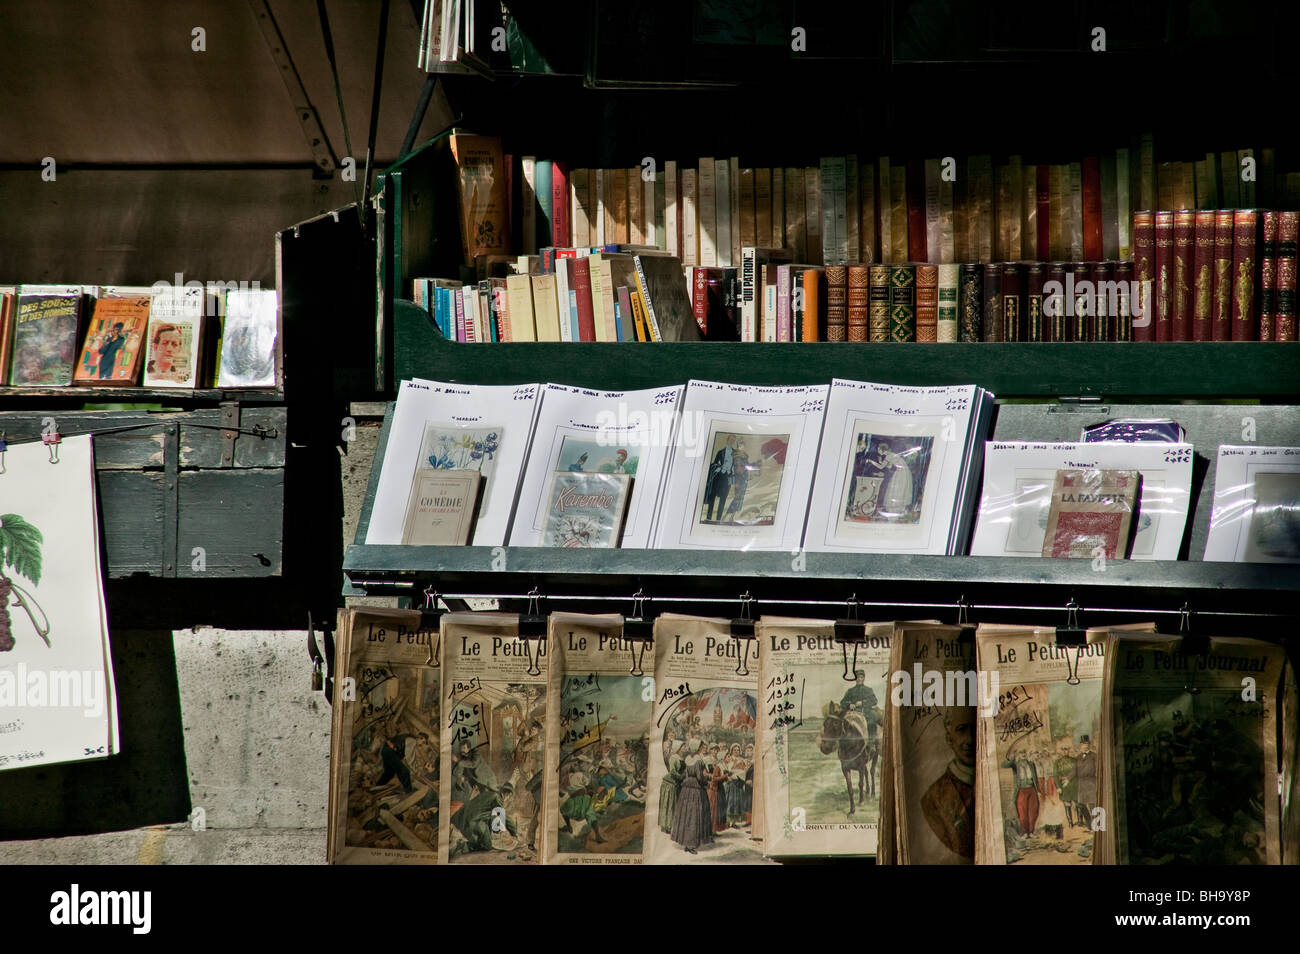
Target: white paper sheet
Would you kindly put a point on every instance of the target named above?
(1256, 517)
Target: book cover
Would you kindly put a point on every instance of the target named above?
(837, 295)
(47, 320)
(877, 304)
(545, 308)
(927, 302)
(859, 285)
(585, 510)
(1267, 274)
(1091, 510)
(666, 298)
(1245, 227)
(175, 344)
(114, 347)
(519, 293)
(902, 303)
(248, 340)
(484, 216)
(970, 303)
(442, 507)
(1080, 323)
(752, 260)
(8, 307)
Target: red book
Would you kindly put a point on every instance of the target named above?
(1164, 298)
(1203, 277)
(859, 279)
(580, 285)
(700, 297)
(1144, 270)
(1221, 308)
(1267, 274)
(561, 210)
(1288, 223)
(1244, 227)
(1092, 208)
(1180, 327)
(916, 248)
(1043, 199)
(927, 303)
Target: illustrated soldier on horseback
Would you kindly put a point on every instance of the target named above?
(850, 730)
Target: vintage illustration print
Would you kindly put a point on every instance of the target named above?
(460, 448)
(886, 479)
(741, 483)
(1274, 533)
(579, 455)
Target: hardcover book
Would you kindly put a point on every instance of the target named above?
(902, 303)
(442, 507)
(1245, 327)
(1288, 223)
(1181, 296)
(385, 770)
(598, 723)
(837, 292)
(1164, 276)
(494, 706)
(1203, 278)
(927, 303)
(114, 347)
(878, 303)
(1267, 274)
(992, 330)
(1091, 510)
(947, 317)
(970, 304)
(1013, 302)
(859, 285)
(667, 299)
(1144, 273)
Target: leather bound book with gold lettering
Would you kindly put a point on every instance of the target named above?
(1221, 307)
(858, 302)
(878, 303)
(1034, 325)
(1267, 274)
(1123, 323)
(1164, 298)
(902, 303)
(1144, 273)
(1013, 302)
(837, 310)
(1103, 282)
(1244, 239)
(970, 302)
(1056, 321)
(1285, 303)
(1079, 321)
(1203, 277)
(948, 292)
(927, 303)
(1181, 300)
(992, 329)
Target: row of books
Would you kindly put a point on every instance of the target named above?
(475, 741)
(850, 466)
(116, 335)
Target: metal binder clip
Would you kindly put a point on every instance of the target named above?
(1071, 634)
(742, 627)
(850, 629)
(963, 619)
(1196, 644)
(52, 441)
(532, 626)
(431, 619)
(638, 628)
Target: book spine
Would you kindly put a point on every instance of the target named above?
(458, 301)
(763, 206)
(814, 296)
(1043, 199)
(859, 293)
(1144, 271)
(916, 218)
(1288, 223)
(722, 206)
(1083, 304)
(877, 303)
(852, 210)
(836, 303)
(884, 213)
(778, 208)
(831, 178)
(1267, 275)
(699, 278)
(561, 224)
(748, 295)
(970, 306)
(635, 208)
(902, 303)
(707, 213)
(506, 329)
(927, 303)
(690, 227)
(580, 210)
(643, 292)
(1012, 302)
(747, 220)
(1055, 294)
(1099, 325)
(1182, 299)
(1244, 239)
(946, 330)
(1109, 206)
(1203, 278)
(1123, 204)
(1123, 323)
(672, 225)
(601, 184)
(769, 302)
(992, 330)
(1091, 186)
(733, 177)
(652, 207)
(932, 243)
(1164, 316)
(620, 217)
(812, 223)
(528, 205)
(783, 303)
(1035, 275)
(545, 197)
(795, 237)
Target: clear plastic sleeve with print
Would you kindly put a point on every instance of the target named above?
(1017, 497)
(1256, 517)
(821, 712)
(702, 744)
(1091, 514)
(600, 707)
(493, 741)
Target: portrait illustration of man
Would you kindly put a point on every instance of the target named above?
(949, 803)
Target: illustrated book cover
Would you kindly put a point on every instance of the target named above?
(1091, 511)
(113, 350)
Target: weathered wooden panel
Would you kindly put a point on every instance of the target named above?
(131, 515)
(236, 517)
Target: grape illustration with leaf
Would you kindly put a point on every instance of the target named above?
(20, 551)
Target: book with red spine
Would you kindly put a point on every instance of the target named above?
(1288, 223)
(1081, 319)
(1035, 276)
(859, 288)
(561, 207)
(1055, 322)
(916, 247)
(580, 284)
(1203, 278)
(1267, 274)
(1180, 325)
(1043, 200)
(1245, 225)
(1164, 297)
(1092, 245)
(1144, 271)
(699, 296)
(1123, 323)
(927, 303)
(837, 302)
(1221, 307)
(1103, 280)
(1013, 302)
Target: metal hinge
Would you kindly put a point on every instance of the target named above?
(229, 432)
